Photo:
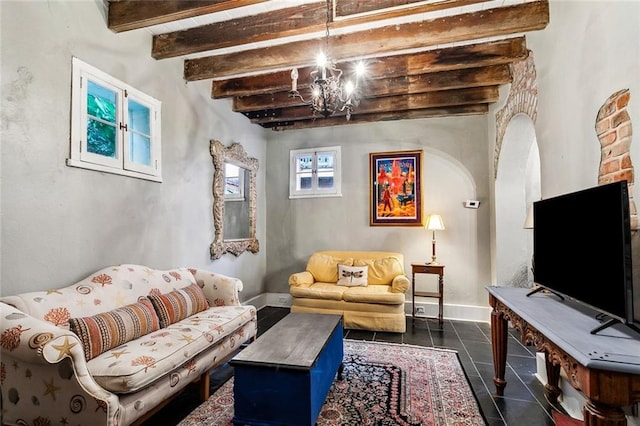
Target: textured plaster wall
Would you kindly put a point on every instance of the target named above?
(455, 169)
(590, 50)
(59, 223)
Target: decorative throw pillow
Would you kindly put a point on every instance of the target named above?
(179, 304)
(352, 276)
(108, 330)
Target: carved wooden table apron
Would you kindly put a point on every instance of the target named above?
(604, 367)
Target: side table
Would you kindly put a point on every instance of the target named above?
(426, 268)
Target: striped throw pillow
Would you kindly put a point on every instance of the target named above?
(108, 330)
(179, 304)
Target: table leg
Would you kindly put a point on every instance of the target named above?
(499, 349)
(413, 298)
(441, 299)
(597, 414)
(205, 383)
(551, 389)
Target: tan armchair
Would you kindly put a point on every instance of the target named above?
(366, 287)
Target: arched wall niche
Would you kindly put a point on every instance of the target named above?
(517, 176)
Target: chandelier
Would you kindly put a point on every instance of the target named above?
(329, 93)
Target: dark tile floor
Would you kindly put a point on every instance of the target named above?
(523, 403)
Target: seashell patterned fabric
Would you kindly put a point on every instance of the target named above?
(45, 377)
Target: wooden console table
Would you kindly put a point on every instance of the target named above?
(604, 367)
(426, 268)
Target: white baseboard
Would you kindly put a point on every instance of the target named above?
(453, 312)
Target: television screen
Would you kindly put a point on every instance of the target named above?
(582, 248)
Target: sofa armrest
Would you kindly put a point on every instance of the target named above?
(400, 284)
(34, 341)
(301, 278)
(26, 337)
(221, 290)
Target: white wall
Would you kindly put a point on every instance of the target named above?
(589, 50)
(60, 224)
(454, 170)
(517, 184)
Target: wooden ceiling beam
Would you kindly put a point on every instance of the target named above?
(386, 116)
(450, 58)
(292, 21)
(344, 8)
(432, 82)
(265, 26)
(375, 42)
(444, 98)
(126, 15)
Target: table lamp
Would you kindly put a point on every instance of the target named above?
(434, 223)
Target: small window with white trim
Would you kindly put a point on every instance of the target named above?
(233, 182)
(315, 172)
(114, 127)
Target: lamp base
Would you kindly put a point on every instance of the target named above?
(433, 262)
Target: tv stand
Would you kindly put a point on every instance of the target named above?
(604, 367)
(540, 288)
(612, 321)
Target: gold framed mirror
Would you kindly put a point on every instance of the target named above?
(234, 200)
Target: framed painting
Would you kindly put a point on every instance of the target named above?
(395, 188)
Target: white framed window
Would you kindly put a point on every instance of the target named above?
(114, 127)
(233, 182)
(315, 172)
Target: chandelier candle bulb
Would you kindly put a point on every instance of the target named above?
(294, 80)
(329, 94)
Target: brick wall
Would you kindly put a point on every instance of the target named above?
(613, 127)
(522, 99)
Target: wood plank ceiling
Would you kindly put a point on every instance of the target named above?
(424, 58)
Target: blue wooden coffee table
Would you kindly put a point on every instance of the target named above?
(284, 376)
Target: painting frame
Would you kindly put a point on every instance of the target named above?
(395, 188)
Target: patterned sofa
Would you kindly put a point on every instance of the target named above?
(110, 349)
(366, 287)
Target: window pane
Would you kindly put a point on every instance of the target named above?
(101, 102)
(139, 118)
(304, 182)
(304, 163)
(232, 180)
(101, 138)
(139, 149)
(325, 181)
(325, 162)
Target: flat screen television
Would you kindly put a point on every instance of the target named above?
(582, 249)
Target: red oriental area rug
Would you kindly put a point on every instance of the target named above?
(384, 384)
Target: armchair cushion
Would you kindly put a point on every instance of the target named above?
(373, 294)
(110, 329)
(325, 268)
(329, 291)
(301, 278)
(381, 271)
(400, 284)
(179, 304)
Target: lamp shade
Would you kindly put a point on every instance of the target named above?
(434, 223)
